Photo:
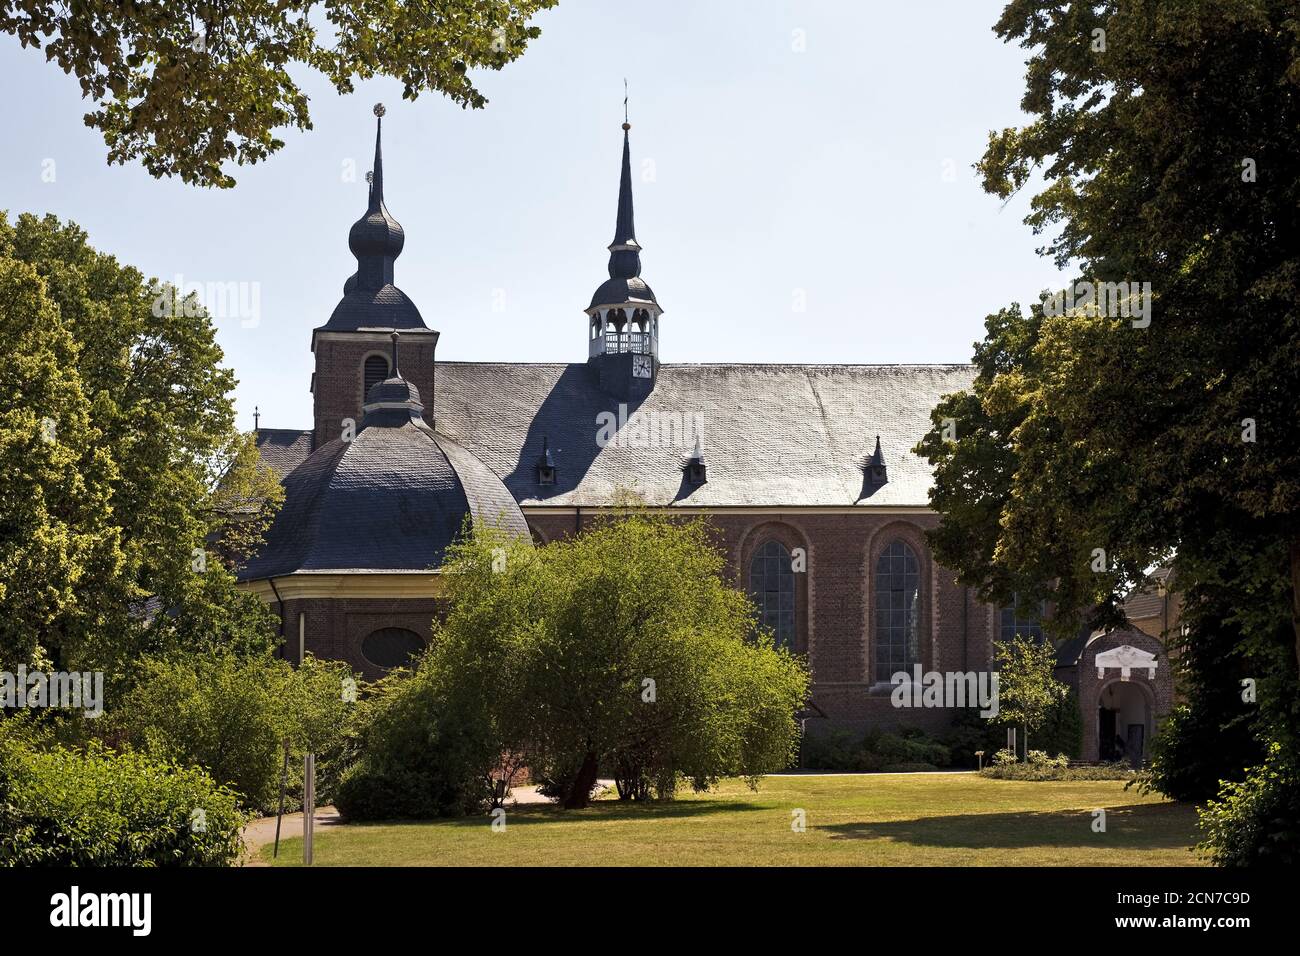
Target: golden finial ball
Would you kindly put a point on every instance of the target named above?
(379, 109)
(626, 127)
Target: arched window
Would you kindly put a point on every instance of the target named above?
(898, 611)
(391, 646)
(376, 371)
(771, 586)
(1021, 620)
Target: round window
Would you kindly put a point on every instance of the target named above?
(391, 646)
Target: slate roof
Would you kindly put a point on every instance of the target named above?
(387, 307)
(392, 499)
(773, 435)
(1146, 602)
(283, 449)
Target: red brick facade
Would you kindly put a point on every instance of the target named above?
(337, 386)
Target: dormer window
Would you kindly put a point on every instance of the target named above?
(546, 465)
(697, 472)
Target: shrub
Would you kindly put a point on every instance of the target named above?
(65, 807)
(910, 749)
(231, 715)
(1256, 821)
(419, 754)
(1042, 767)
(1062, 729)
(971, 732)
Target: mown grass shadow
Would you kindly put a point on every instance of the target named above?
(531, 814)
(1156, 826)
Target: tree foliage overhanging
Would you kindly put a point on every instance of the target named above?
(126, 493)
(190, 85)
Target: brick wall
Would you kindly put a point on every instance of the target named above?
(340, 362)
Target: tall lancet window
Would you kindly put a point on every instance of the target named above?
(771, 586)
(376, 370)
(898, 611)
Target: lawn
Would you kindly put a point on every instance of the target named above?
(868, 820)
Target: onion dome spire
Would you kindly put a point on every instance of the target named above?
(376, 239)
(625, 251)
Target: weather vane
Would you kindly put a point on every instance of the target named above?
(379, 109)
(370, 175)
(626, 124)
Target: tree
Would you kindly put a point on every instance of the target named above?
(1154, 423)
(231, 715)
(119, 538)
(621, 648)
(189, 85)
(1028, 693)
(56, 479)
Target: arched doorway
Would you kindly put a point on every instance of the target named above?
(1124, 722)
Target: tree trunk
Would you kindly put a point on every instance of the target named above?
(580, 794)
(1295, 595)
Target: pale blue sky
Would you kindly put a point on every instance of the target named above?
(774, 171)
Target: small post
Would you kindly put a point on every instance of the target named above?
(284, 785)
(979, 755)
(308, 807)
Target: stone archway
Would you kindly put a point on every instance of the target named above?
(1125, 721)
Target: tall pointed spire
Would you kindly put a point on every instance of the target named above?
(377, 173)
(376, 238)
(625, 251)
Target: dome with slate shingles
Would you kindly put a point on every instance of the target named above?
(391, 499)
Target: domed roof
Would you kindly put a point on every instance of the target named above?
(621, 291)
(387, 307)
(391, 499)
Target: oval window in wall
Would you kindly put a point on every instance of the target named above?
(391, 646)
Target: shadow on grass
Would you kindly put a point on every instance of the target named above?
(1159, 826)
(614, 810)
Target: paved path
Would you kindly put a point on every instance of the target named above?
(261, 832)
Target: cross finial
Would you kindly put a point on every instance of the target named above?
(626, 125)
(257, 418)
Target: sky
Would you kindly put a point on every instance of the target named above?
(802, 174)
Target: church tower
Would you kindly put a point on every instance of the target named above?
(623, 318)
(352, 349)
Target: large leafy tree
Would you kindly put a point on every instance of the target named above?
(1164, 144)
(189, 85)
(1168, 139)
(622, 648)
(132, 493)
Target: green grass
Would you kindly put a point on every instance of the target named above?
(871, 820)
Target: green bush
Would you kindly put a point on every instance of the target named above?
(1256, 821)
(230, 715)
(65, 807)
(971, 732)
(875, 751)
(1062, 730)
(419, 753)
(1040, 766)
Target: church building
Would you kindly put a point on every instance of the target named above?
(806, 472)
